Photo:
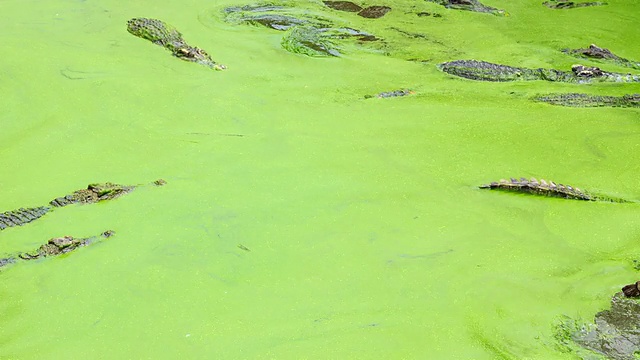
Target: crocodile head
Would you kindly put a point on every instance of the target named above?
(103, 191)
(55, 246)
(196, 55)
(63, 242)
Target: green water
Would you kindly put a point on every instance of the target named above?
(368, 237)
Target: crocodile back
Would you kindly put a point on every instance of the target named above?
(155, 31)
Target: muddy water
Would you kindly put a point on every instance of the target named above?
(366, 234)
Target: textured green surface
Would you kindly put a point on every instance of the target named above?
(367, 235)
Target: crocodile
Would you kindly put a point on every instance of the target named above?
(486, 71)
(544, 188)
(469, 5)
(388, 94)
(93, 193)
(562, 4)
(586, 100)
(602, 54)
(21, 216)
(160, 33)
(615, 333)
(56, 246)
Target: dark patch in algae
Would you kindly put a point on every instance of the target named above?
(374, 12)
(343, 6)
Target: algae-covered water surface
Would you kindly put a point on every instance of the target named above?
(303, 216)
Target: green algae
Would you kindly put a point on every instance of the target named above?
(368, 237)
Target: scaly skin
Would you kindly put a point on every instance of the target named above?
(486, 71)
(21, 216)
(56, 246)
(543, 188)
(160, 33)
(394, 93)
(156, 31)
(585, 100)
(615, 333)
(93, 193)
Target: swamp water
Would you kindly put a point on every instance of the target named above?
(367, 236)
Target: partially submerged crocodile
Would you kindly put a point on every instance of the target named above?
(598, 53)
(486, 71)
(160, 33)
(56, 246)
(388, 94)
(469, 5)
(562, 4)
(586, 100)
(533, 186)
(614, 334)
(92, 194)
